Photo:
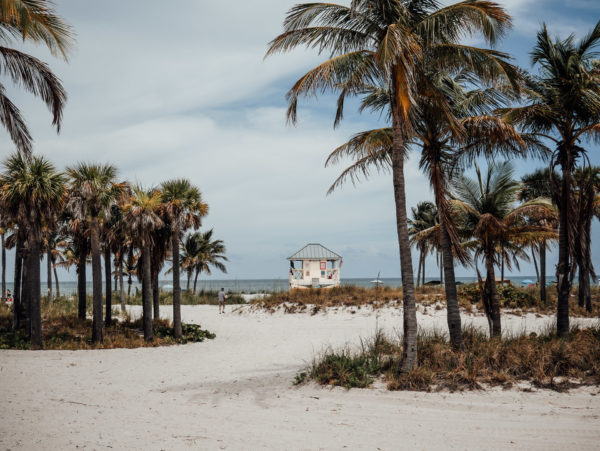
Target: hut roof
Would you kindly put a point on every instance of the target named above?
(314, 251)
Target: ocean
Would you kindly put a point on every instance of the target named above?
(265, 285)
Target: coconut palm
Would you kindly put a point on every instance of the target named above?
(190, 253)
(36, 22)
(141, 215)
(93, 190)
(536, 185)
(32, 192)
(564, 107)
(393, 41)
(183, 209)
(421, 229)
(587, 187)
(210, 255)
(487, 209)
(444, 143)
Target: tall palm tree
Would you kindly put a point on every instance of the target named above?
(564, 107)
(142, 219)
(538, 184)
(184, 209)
(587, 187)
(211, 255)
(32, 192)
(444, 143)
(392, 41)
(36, 22)
(94, 189)
(421, 229)
(487, 209)
(190, 253)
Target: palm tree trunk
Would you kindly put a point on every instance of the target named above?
(147, 293)
(563, 268)
(502, 266)
(543, 271)
(419, 266)
(49, 272)
(108, 282)
(409, 354)
(155, 294)
(25, 294)
(81, 278)
(535, 264)
(492, 293)
(121, 286)
(196, 280)
(3, 268)
(424, 259)
(129, 282)
(177, 330)
(17, 306)
(97, 323)
(453, 313)
(56, 281)
(189, 276)
(33, 291)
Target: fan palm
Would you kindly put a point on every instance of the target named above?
(94, 189)
(34, 21)
(190, 253)
(487, 209)
(32, 192)
(183, 208)
(564, 107)
(142, 219)
(393, 41)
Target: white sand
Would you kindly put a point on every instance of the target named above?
(236, 392)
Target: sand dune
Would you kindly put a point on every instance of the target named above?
(236, 392)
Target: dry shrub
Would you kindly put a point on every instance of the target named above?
(61, 329)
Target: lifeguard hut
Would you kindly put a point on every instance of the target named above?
(315, 266)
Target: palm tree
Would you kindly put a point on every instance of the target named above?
(444, 143)
(183, 208)
(423, 231)
(32, 192)
(564, 107)
(94, 189)
(2, 233)
(393, 41)
(487, 209)
(587, 187)
(34, 21)
(190, 253)
(142, 219)
(537, 185)
(210, 255)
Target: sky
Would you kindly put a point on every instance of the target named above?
(185, 91)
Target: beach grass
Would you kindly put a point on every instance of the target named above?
(513, 299)
(544, 360)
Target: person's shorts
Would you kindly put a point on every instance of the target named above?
(222, 301)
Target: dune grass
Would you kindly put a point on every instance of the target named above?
(516, 300)
(544, 360)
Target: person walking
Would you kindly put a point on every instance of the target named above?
(222, 297)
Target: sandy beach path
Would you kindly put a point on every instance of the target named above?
(236, 392)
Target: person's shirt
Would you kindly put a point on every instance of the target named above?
(221, 296)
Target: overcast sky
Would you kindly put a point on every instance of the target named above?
(180, 89)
